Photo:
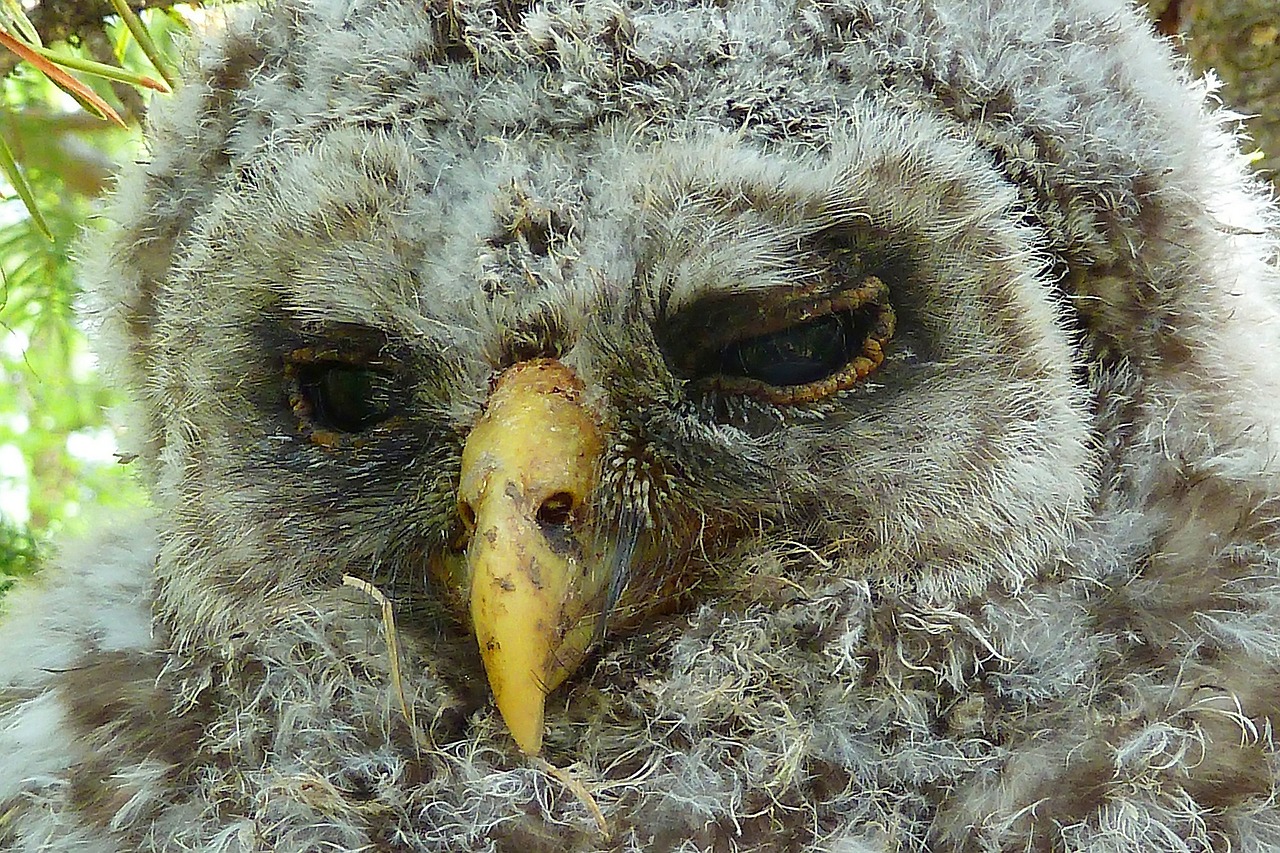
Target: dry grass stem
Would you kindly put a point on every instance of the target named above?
(564, 777)
(393, 648)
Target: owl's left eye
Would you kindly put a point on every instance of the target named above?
(801, 351)
(804, 353)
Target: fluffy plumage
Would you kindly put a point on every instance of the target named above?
(1016, 590)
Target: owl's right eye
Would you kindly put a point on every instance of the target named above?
(335, 395)
(346, 398)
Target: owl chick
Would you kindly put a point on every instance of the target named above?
(668, 425)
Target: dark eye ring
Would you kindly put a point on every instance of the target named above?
(332, 397)
(816, 349)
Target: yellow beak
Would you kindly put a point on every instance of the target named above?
(528, 467)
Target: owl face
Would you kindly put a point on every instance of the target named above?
(844, 339)
(835, 425)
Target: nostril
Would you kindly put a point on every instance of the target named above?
(557, 510)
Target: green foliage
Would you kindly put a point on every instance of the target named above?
(51, 399)
(55, 446)
(17, 553)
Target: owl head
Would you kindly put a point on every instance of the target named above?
(559, 322)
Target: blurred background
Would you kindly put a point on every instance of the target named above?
(78, 76)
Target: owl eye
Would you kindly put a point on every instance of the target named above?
(804, 353)
(333, 393)
(809, 349)
(346, 398)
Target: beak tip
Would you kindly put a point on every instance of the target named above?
(525, 728)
